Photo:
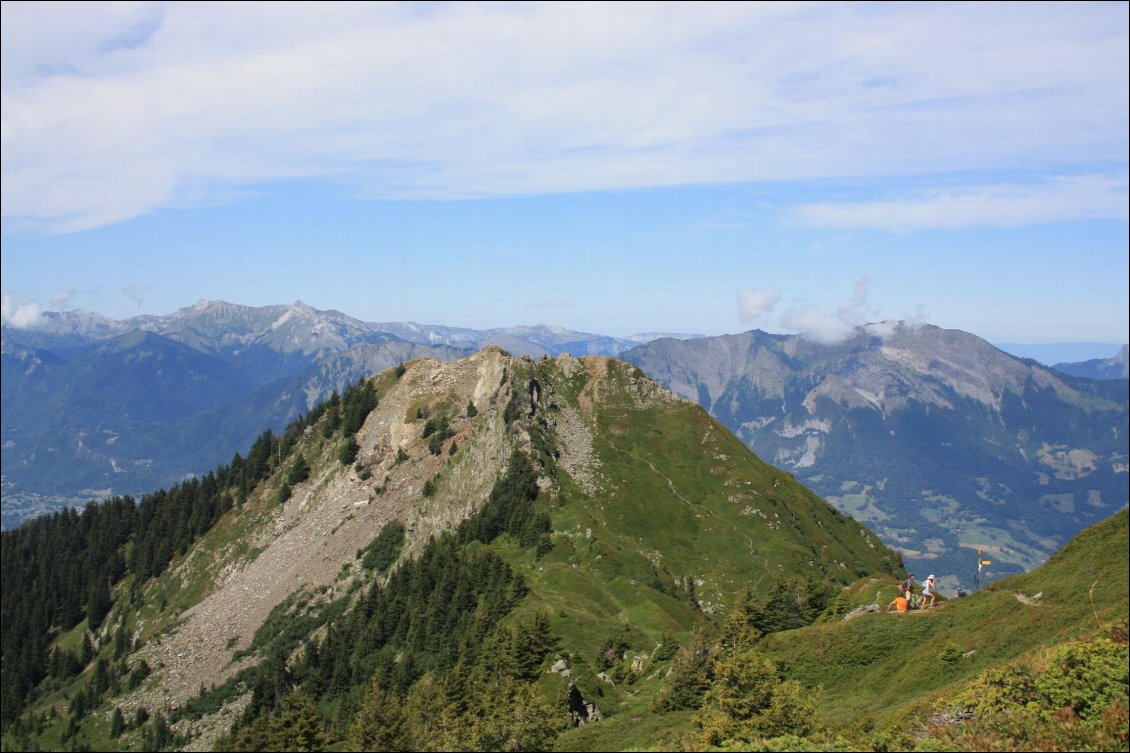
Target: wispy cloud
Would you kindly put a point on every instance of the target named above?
(133, 292)
(834, 327)
(18, 315)
(117, 110)
(62, 298)
(1056, 200)
(753, 303)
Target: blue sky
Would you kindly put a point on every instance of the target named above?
(607, 168)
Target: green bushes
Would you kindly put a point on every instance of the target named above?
(348, 452)
(384, 548)
(1077, 701)
(437, 431)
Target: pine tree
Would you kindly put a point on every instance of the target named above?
(433, 716)
(86, 653)
(117, 723)
(349, 449)
(299, 471)
(690, 676)
(379, 723)
(98, 603)
(511, 717)
(748, 701)
(296, 726)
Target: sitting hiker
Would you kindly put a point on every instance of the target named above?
(899, 604)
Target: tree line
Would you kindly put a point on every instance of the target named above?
(424, 661)
(61, 569)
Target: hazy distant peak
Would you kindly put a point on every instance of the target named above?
(646, 337)
(1115, 367)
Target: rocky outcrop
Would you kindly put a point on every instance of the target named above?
(582, 712)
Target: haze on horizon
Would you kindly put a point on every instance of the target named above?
(610, 168)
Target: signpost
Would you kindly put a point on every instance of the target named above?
(981, 563)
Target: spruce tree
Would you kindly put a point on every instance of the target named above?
(296, 726)
(117, 723)
(379, 723)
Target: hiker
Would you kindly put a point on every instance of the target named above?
(961, 593)
(899, 604)
(928, 593)
(907, 587)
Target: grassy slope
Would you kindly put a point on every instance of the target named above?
(674, 485)
(881, 665)
(681, 486)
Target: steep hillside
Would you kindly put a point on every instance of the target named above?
(880, 667)
(644, 519)
(940, 442)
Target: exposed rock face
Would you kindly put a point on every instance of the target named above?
(304, 543)
(862, 610)
(582, 711)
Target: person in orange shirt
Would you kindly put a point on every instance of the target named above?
(899, 603)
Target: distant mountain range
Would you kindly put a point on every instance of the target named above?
(936, 439)
(93, 406)
(1050, 354)
(1114, 367)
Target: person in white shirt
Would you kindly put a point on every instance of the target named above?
(928, 597)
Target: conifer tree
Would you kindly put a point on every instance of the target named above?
(690, 675)
(434, 716)
(379, 723)
(117, 723)
(512, 717)
(86, 653)
(296, 727)
(747, 700)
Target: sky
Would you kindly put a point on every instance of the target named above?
(610, 168)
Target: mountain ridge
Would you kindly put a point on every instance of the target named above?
(645, 514)
(930, 436)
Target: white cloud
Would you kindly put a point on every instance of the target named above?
(111, 111)
(816, 325)
(754, 303)
(18, 315)
(62, 298)
(1064, 198)
(825, 328)
(882, 330)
